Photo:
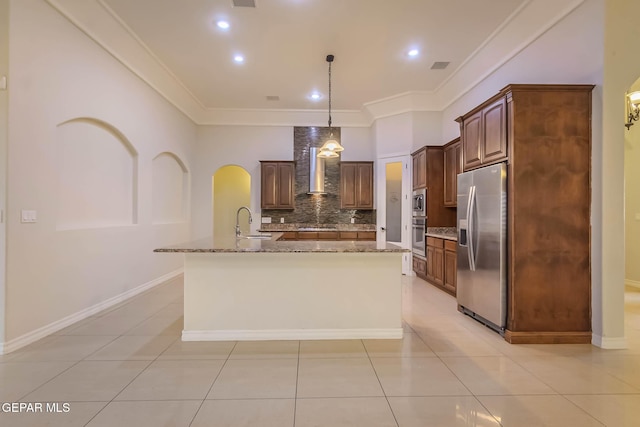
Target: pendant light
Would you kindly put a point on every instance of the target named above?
(331, 147)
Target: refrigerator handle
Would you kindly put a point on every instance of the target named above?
(471, 209)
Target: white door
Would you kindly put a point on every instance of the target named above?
(393, 188)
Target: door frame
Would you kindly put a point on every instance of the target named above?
(381, 205)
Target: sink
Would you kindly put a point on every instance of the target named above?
(256, 236)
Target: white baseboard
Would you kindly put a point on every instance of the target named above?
(35, 335)
(616, 343)
(291, 334)
(632, 283)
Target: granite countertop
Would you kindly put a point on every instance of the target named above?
(447, 233)
(231, 244)
(316, 227)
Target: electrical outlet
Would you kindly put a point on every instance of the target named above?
(281, 220)
(353, 220)
(266, 220)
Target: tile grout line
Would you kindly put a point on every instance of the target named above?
(212, 384)
(384, 393)
(132, 380)
(461, 382)
(295, 396)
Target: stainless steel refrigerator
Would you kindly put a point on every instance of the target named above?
(482, 245)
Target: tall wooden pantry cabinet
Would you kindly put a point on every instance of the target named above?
(543, 132)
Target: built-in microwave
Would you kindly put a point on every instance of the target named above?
(419, 202)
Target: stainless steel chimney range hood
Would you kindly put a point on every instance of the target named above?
(316, 172)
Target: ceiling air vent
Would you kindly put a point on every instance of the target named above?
(273, 98)
(244, 3)
(440, 65)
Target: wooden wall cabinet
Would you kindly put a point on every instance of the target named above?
(452, 167)
(484, 132)
(419, 162)
(356, 185)
(546, 132)
(277, 184)
(429, 161)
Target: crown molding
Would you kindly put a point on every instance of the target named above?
(525, 25)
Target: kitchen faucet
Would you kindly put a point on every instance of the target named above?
(238, 219)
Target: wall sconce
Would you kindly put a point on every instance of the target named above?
(632, 108)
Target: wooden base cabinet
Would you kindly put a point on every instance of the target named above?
(440, 265)
(328, 235)
(450, 265)
(435, 261)
(547, 129)
(420, 267)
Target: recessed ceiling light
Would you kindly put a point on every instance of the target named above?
(223, 24)
(315, 96)
(238, 58)
(413, 53)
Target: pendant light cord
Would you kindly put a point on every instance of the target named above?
(330, 60)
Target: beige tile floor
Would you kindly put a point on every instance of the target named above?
(127, 366)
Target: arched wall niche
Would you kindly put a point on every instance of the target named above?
(170, 189)
(97, 174)
(231, 189)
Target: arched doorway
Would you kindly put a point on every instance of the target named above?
(231, 189)
(632, 199)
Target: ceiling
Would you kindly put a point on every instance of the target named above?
(285, 42)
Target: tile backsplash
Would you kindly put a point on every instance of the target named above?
(316, 208)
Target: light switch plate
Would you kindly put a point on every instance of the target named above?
(353, 220)
(266, 220)
(281, 220)
(28, 216)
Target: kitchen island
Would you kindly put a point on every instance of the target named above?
(265, 289)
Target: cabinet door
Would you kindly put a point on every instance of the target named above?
(366, 235)
(364, 190)
(356, 185)
(438, 266)
(278, 185)
(452, 167)
(430, 251)
(348, 179)
(450, 268)
(420, 169)
(494, 147)
(269, 177)
(471, 141)
(286, 190)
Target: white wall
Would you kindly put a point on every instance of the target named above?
(58, 74)
(621, 70)
(243, 146)
(407, 132)
(4, 70)
(570, 52)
